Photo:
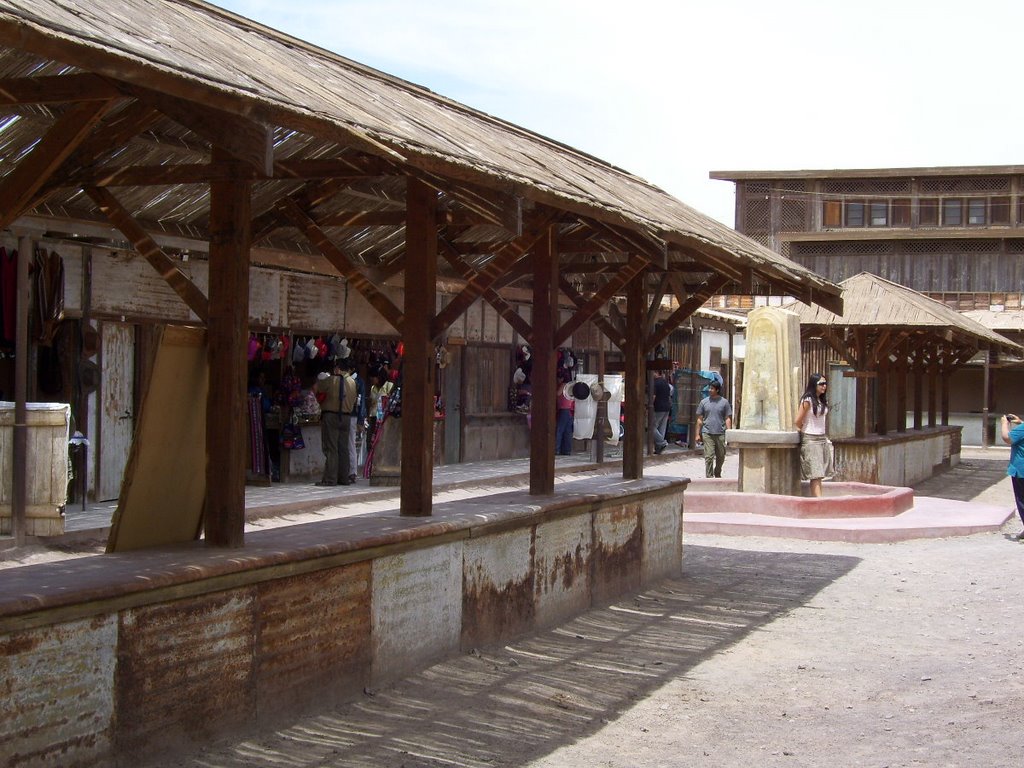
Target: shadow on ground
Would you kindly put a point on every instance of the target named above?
(966, 481)
(508, 705)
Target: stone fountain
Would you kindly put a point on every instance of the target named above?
(768, 442)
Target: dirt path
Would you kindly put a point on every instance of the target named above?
(765, 652)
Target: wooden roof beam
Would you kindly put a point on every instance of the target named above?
(56, 89)
(686, 308)
(629, 271)
(514, 251)
(20, 187)
(144, 244)
(615, 333)
(250, 142)
(506, 310)
(342, 263)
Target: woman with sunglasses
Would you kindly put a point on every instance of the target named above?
(815, 448)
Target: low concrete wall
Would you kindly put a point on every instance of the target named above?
(109, 659)
(897, 458)
(838, 500)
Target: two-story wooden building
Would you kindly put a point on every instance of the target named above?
(955, 234)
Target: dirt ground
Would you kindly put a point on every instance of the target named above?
(767, 652)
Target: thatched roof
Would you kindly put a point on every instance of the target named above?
(871, 302)
(182, 74)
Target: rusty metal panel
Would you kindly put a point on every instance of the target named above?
(124, 283)
(497, 588)
(417, 609)
(58, 694)
(72, 256)
(562, 552)
(265, 298)
(184, 671)
(313, 644)
(315, 303)
(489, 322)
(506, 333)
(618, 552)
(663, 538)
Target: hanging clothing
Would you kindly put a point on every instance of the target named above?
(8, 297)
(50, 293)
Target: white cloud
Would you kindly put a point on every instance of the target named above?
(672, 90)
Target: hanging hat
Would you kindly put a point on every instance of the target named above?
(254, 348)
(442, 357)
(311, 349)
(90, 341)
(519, 377)
(88, 375)
(598, 392)
(580, 390)
(567, 390)
(569, 361)
(322, 348)
(343, 349)
(299, 352)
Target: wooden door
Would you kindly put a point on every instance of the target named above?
(117, 404)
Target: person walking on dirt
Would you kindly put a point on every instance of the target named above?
(714, 417)
(662, 408)
(1013, 435)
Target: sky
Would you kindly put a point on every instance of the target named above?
(671, 90)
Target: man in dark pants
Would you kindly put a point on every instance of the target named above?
(346, 423)
(329, 386)
(662, 408)
(714, 417)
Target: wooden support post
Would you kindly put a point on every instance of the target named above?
(918, 396)
(933, 394)
(418, 361)
(227, 332)
(882, 400)
(901, 395)
(944, 395)
(636, 400)
(542, 377)
(985, 401)
(860, 427)
(19, 436)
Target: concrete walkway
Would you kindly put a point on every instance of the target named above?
(966, 499)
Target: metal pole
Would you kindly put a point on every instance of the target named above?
(20, 433)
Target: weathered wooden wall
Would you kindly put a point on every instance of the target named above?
(897, 459)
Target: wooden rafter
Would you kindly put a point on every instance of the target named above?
(686, 308)
(245, 140)
(341, 262)
(593, 305)
(616, 335)
(503, 308)
(18, 189)
(144, 244)
(56, 89)
(655, 303)
(513, 251)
